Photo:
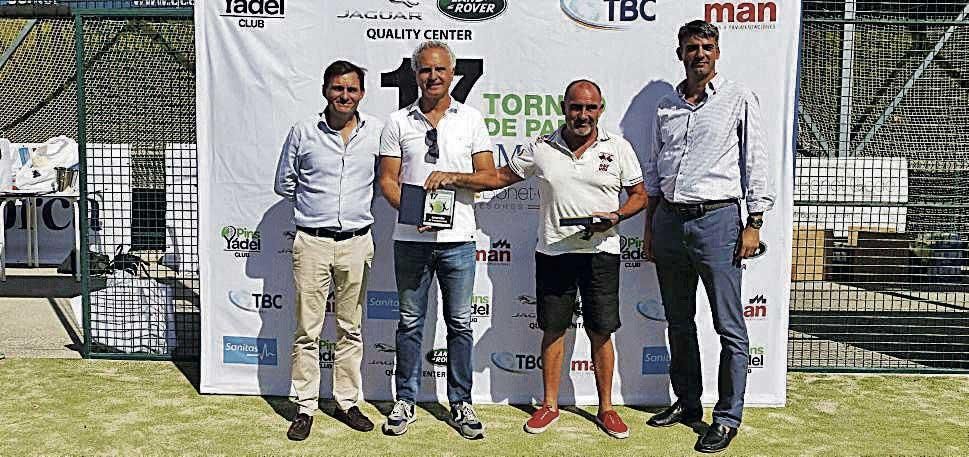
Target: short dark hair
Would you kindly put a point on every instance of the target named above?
(581, 81)
(340, 68)
(698, 28)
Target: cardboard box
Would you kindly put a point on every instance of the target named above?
(811, 249)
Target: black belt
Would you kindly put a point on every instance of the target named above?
(694, 210)
(336, 236)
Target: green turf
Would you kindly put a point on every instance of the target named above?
(85, 407)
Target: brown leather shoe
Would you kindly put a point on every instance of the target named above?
(354, 419)
(300, 428)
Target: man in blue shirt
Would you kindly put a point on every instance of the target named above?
(708, 153)
(327, 169)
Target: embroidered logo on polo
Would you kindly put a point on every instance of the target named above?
(605, 160)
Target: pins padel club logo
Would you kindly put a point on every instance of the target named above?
(241, 241)
(254, 13)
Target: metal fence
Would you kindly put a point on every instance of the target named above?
(880, 276)
(121, 81)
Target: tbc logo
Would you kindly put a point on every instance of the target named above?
(248, 351)
(472, 10)
(755, 358)
(383, 305)
(253, 13)
(741, 12)
(516, 363)
(651, 309)
(499, 253)
(255, 302)
(757, 309)
(656, 360)
(241, 241)
(608, 14)
(437, 357)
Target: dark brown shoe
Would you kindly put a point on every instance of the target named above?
(300, 428)
(354, 419)
(675, 414)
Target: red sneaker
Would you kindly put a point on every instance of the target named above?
(541, 420)
(612, 424)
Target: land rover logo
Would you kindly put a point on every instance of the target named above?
(472, 10)
(437, 357)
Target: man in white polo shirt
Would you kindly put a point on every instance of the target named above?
(435, 133)
(581, 170)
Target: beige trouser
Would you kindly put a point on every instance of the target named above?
(318, 261)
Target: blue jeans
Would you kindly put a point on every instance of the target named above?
(454, 264)
(688, 251)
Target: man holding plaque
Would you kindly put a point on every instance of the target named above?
(327, 169)
(435, 231)
(581, 168)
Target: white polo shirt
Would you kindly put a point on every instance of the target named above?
(461, 133)
(577, 187)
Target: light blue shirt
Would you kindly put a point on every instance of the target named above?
(330, 182)
(715, 150)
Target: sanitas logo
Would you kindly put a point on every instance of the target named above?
(255, 302)
(437, 357)
(254, 13)
(383, 305)
(500, 253)
(472, 10)
(656, 360)
(241, 241)
(249, 351)
(609, 14)
(633, 251)
(757, 309)
(755, 358)
(480, 307)
(651, 309)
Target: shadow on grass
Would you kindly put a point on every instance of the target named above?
(192, 372)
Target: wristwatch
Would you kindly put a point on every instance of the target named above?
(755, 222)
(620, 215)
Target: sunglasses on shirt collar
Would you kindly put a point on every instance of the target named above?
(430, 139)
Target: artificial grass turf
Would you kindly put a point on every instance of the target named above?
(88, 407)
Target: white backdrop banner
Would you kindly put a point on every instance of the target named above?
(259, 67)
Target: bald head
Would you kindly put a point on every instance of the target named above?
(583, 85)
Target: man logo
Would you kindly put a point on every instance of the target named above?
(651, 309)
(757, 309)
(608, 14)
(437, 357)
(500, 253)
(472, 10)
(741, 12)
